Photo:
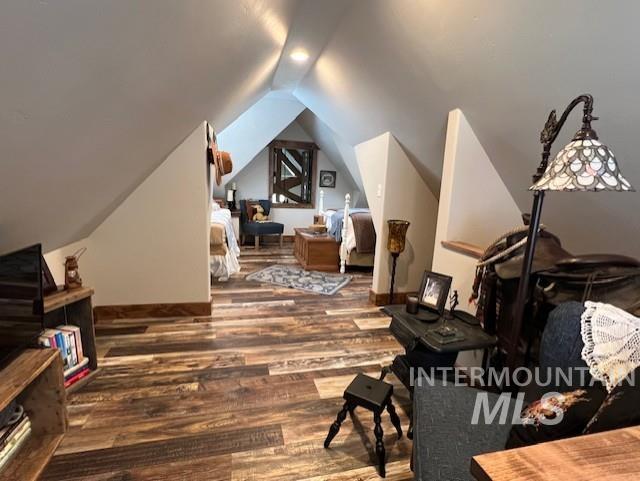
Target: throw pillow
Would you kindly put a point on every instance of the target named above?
(540, 419)
(620, 408)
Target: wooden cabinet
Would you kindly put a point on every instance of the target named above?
(74, 307)
(318, 252)
(35, 379)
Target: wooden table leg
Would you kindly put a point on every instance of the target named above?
(380, 451)
(335, 427)
(395, 420)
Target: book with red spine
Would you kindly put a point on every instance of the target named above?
(76, 377)
(72, 371)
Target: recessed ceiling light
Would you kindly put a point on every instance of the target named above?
(299, 55)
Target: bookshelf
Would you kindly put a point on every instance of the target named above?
(75, 307)
(35, 378)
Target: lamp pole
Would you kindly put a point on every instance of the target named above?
(396, 238)
(547, 137)
(394, 255)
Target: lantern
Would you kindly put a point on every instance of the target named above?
(72, 279)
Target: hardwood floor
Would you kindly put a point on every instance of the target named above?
(247, 394)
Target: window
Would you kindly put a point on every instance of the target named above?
(292, 170)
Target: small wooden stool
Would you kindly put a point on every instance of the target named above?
(374, 395)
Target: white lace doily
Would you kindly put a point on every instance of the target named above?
(611, 339)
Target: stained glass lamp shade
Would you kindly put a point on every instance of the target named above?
(583, 165)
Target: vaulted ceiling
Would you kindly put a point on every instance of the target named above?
(401, 65)
(96, 94)
(252, 131)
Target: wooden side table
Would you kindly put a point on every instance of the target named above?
(318, 252)
(412, 334)
(410, 330)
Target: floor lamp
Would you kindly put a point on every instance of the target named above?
(395, 245)
(584, 164)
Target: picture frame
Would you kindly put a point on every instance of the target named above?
(328, 179)
(434, 291)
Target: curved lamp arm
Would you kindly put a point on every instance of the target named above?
(548, 135)
(553, 126)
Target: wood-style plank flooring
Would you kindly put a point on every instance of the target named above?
(247, 394)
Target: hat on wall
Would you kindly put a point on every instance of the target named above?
(223, 163)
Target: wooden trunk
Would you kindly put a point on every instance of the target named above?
(318, 252)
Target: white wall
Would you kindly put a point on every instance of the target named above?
(372, 160)
(475, 207)
(55, 260)
(395, 190)
(253, 183)
(341, 154)
(154, 248)
(250, 133)
(401, 66)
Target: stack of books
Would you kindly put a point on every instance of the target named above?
(12, 437)
(68, 341)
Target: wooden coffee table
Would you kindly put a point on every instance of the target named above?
(316, 252)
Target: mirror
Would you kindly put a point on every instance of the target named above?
(292, 173)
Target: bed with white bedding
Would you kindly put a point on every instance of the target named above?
(357, 238)
(224, 249)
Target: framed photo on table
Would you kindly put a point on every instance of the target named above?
(434, 291)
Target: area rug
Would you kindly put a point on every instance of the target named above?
(296, 277)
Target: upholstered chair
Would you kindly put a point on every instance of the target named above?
(256, 229)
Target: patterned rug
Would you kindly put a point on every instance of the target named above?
(296, 277)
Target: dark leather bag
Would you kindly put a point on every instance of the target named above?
(611, 278)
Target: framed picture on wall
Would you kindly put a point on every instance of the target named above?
(434, 291)
(328, 179)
